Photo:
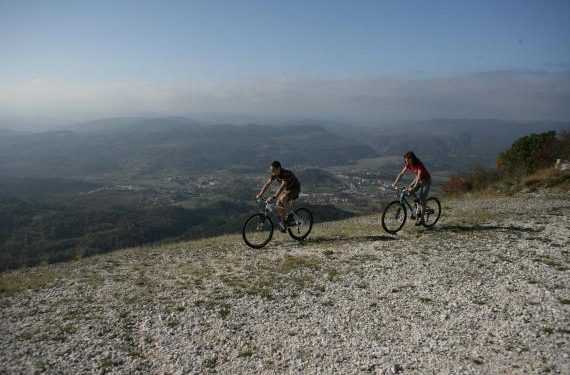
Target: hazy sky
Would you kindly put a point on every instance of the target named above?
(357, 61)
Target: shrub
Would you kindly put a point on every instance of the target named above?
(530, 153)
(479, 179)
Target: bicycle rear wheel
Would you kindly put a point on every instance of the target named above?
(394, 217)
(257, 231)
(303, 224)
(432, 212)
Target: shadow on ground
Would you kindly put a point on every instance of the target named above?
(457, 228)
(344, 239)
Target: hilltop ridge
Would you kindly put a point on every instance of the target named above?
(486, 291)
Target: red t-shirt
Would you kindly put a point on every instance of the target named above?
(425, 176)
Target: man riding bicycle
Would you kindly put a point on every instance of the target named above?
(288, 191)
(422, 180)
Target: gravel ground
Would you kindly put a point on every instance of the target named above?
(487, 291)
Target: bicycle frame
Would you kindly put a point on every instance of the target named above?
(271, 210)
(401, 195)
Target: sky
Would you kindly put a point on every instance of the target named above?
(361, 62)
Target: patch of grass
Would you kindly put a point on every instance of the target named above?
(69, 329)
(304, 355)
(225, 310)
(564, 301)
(333, 275)
(141, 280)
(246, 353)
(557, 265)
(196, 273)
(403, 287)
(290, 272)
(548, 330)
(172, 323)
(291, 263)
(426, 300)
(28, 334)
(210, 362)
(320, 288)
(40, 366)
(538, 238)
(504, 258)
(14, 282)
(132, 351)
(92, 279)
(359, 259)
(477, 361)
(107, 362)
(480, 215)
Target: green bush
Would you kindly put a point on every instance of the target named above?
(530, 153)
(526, 156)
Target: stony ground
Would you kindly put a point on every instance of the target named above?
(487, 291)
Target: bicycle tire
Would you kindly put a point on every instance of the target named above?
(303, 230)
(432, 210)
(394, 217)
(257, 231)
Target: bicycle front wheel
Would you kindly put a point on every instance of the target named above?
(303, 224)
(257, 231)
(394, 217)
(432, 212)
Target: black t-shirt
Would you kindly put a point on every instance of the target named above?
(291, 182)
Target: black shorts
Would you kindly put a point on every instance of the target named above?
(292, 193)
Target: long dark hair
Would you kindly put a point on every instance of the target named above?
(411, 155)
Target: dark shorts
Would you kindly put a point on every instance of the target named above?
(292, 193)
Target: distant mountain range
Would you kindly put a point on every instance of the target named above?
(134, 148)
(449, 144)
(166, 146)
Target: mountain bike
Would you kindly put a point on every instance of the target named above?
(258, 228)
(395, 214)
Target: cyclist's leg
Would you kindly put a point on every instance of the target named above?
(283, 201)
(424, 191)
(287, 197)
(292, 195)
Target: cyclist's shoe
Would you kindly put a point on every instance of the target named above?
(420, 221)
(282, 227)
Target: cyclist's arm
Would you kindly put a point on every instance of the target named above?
(264, 188)
(417, 180)
(399, 176)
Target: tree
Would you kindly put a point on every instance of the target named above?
(529, 153)
(564, 147)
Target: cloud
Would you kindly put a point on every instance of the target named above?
(521, 95)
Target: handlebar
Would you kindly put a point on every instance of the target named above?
(404, 190)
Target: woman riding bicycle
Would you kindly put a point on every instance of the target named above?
(422, 180)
